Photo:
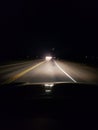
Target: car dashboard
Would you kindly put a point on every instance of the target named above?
(49, 106)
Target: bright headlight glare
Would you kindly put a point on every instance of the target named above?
(48, 58)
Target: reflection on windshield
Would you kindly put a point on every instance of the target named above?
(48, 84)
(48, 87)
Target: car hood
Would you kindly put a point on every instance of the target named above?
(53, 89)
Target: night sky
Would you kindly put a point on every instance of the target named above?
(30, 28)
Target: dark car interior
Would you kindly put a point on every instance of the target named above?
(64, 107)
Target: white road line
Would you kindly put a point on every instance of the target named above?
(65, 72)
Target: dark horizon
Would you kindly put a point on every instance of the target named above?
(34, 28)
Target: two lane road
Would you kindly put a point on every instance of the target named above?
(40, 71)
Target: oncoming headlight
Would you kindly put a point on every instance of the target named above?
(48, 58)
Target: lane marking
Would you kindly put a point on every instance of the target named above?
(3, 66)
(65, 72)
(21, 73)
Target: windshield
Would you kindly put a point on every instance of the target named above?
(48, 42)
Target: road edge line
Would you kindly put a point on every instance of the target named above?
(65, 72)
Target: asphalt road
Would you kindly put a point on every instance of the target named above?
(41, 71)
